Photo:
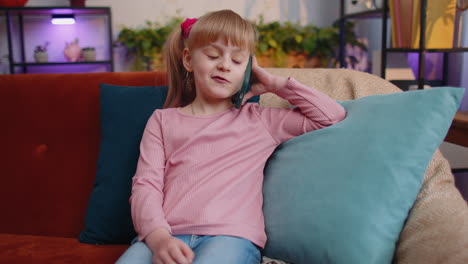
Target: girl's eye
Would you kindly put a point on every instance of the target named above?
(211, 56)
(237, 61)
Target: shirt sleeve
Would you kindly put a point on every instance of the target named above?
(147, 195)
(313, 110)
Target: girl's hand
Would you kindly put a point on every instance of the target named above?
(173, 250)
(168, 249)
(263, 81)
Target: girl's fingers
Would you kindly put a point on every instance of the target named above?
(247, 96)
(254, 61)
(188, 253)
(177, 256)
(162, 258)
(261, 75)
(255, 68)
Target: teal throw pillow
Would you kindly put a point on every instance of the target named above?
(342, 194)
(124, 113)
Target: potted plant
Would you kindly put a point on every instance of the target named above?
(296, 46)
(279, 44)
(146, 44)
(40, 53)
(89, 54)
(271, 39)
(292, 45)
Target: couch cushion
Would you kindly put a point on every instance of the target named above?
(124, 112)
(342, 194)
(43, 249)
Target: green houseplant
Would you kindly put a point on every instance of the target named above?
(293, 45)
(147, 43)
(279, 44)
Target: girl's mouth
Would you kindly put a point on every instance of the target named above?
(220, 79)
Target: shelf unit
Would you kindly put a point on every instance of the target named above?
(383, 13)
(16, 35)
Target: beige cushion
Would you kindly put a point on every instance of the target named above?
(436, 230)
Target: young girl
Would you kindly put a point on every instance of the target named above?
(197, 192)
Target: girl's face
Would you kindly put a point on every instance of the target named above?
(218, 69)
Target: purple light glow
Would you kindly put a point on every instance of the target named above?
(62, 11)
(89, 29)
(63, 21)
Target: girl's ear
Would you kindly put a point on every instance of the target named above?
(187, 60)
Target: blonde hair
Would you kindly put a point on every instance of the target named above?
(224, 24)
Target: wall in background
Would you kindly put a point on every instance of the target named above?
(130, 14)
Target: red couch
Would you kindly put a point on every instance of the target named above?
(48, 176)
(51, 131)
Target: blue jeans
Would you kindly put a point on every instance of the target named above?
(207, 250)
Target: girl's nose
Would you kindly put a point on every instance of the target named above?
(223, 65)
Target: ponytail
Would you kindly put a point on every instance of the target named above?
(180, 91)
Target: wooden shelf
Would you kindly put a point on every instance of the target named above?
(451, 50)
(364, 14)
(56, 10)
(60, 63)
(403, 84)
(458, 132)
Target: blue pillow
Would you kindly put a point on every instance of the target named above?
(341, 194)
(124, 113)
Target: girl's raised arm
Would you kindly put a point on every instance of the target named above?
(314, 109)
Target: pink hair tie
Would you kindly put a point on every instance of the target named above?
(186, 26)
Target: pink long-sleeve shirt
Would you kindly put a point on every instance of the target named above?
(203, 175)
